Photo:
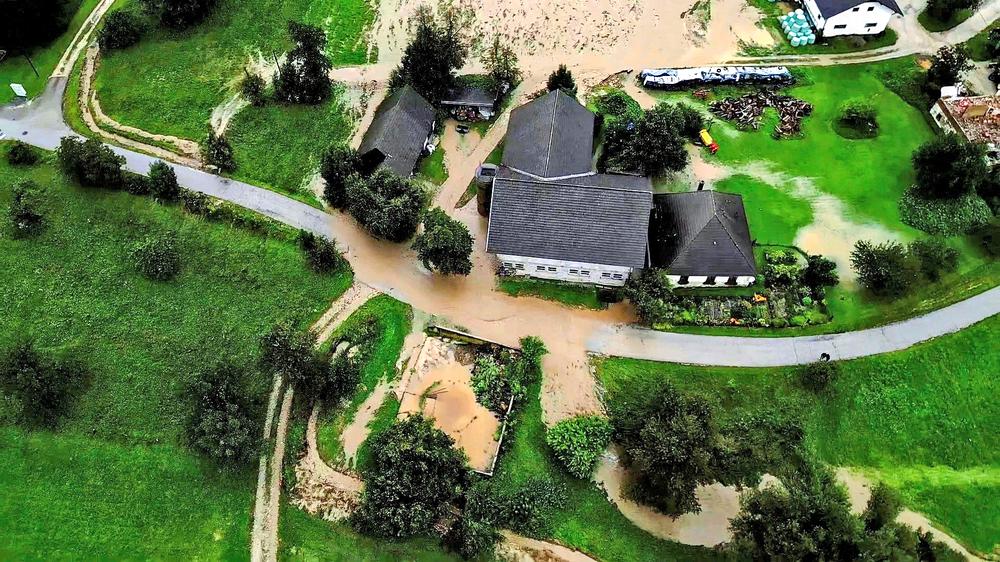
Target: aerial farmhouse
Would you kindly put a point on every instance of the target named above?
(851, 17)
(551, 216)
(399, 134)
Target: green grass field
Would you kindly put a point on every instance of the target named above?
(977, 45)
(18, 70)
(118, 456)
(187, 74)
(570, 294)
(395, 318)
(589, 522)
(867, 177)
(432, 167)
(930, 23)
(922, 419)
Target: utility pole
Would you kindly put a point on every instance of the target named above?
(27, 58)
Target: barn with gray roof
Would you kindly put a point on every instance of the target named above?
(398, 135)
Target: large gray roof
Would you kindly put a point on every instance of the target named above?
(598, 219)
(401, 125)
(701, 233)
(830, 8)
(550, 137)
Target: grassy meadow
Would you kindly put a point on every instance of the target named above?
(922, 419)
(115, 480)
(187, 74)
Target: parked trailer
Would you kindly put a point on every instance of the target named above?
(677, 78)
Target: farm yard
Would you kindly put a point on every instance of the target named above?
(117, 466)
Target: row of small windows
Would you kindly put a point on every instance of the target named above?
(550, 269)
(870, 9)
(684, 280)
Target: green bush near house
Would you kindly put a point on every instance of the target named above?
(578, 442)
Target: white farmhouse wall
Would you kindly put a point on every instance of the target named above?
(815, 14)
(869, 18)
(941, 119)
(720, 281)
(559, 270)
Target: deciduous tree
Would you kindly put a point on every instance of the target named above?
(121, 29)
(387, 205)
(163, 181)
(948, 167)
(882, 268)
(339, 163)
(44, 386)
(223, 423)
(445, 245)
(305, 75)
(948, 65)
(562, 79)
(90, 162)
(650, 146)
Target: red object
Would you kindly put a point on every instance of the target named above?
(713, 148)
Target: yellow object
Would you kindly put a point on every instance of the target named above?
(706, 138)
(757, 297)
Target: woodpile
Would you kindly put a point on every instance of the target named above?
(746, 111)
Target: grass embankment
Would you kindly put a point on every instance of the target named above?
(187, 74)
(823, 46)
(90, 489)
(867, 178)
(394, 319)
(570, 294)
(16, 69)
(922, 419)
(977, 45)
(931, 23)
(588, 522)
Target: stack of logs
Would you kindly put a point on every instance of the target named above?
(745, 111)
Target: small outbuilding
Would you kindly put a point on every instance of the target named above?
(702, 238)
(851, 17)
(399, 134)
(470, 103)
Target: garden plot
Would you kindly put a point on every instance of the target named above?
(440, 387)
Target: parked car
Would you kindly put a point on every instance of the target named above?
(462, 128)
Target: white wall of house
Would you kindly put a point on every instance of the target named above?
(869, 18)
(718, 281)
(559, 270)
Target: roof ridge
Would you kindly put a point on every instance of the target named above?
(552, 130)
(564, 184)
(725, 227)
(715, 215)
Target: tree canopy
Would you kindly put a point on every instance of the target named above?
(180, 14)
(305, 75)
(339, 162)
(27, 24)
(948, 65)
(445, 245)
(562, 79)
(947, 166)
(649, 146)
(385, 204)
(500, 61)
(882, 268)
(415, 472)
(44, 386)
(435, 52)
(91, 163)
(224, 421)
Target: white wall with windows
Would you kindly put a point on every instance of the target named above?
(558, 270)
(869, 18)
(711, 281)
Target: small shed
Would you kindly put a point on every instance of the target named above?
(470, 103)
(399, 133)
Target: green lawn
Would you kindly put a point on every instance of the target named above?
(395, 319)
(977, 45)
(187, 74)
(931, 23)
(866, 176)
(432, 167)
(589, 522)
(118, 455)
(570, 294)
(922, 419)
(17, 70)
(304, 537)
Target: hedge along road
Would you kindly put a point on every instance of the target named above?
(473, 303)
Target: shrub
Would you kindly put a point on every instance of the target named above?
(413, 475)
(445, 245)
(820, 272)
(121, 29)
(136, 184)
(860, 115)
(27, 208)
(90, 163)
(578, 442)
(21, 154)
(617, 104)
(253, 89)
(818, 376)
(163, 182)
(526, 507)
(882, 268)
(651, 295)
(934, 256)
(471, 539)
(948, 167)
(218, 152)
(44, 386)
(223, 423)
(196, 203)
(321, 253)
(944, 217)
(562, 79)
(385, 204)
(305, 75)
(157, 257)
(180, 14)
(491, 385)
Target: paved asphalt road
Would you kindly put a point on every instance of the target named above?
(40, 123)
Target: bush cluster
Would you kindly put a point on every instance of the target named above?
(158, 257)
(179, 14)
(27, 208)
(21, 154)
(163, 182)
(218, 152)
(254, 90)
(386, 205)
(818, 376)
(578, 442)
(224, 420)
(91, 163)
(616, 104)
(321, 253)
(859, 115)
(944, 217)
(889, 269)
(445, 245)
(499, 378)
(44, 386)
(121, 29)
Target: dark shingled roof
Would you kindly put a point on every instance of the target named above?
(550, 137)
(469, 95)
(401, 125)
(701, 233)
(598, 219)
(830, 8)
